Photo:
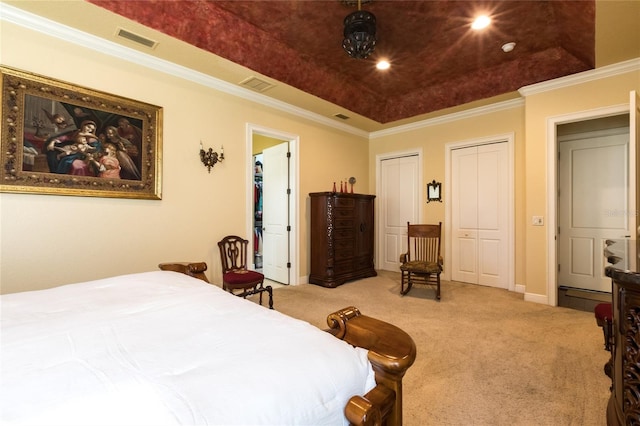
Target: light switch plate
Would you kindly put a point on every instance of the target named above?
(537, 221)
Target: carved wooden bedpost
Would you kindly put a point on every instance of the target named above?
(391, 353)
(193, 269)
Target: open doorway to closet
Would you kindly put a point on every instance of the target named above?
(593, 186)
(272, 199)
(592, 198)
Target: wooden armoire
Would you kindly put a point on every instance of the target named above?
(342, 234)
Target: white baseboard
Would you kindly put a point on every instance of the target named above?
(536, 298)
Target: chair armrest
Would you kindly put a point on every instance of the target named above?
(404, 257)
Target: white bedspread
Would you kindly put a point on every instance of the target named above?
(163, 348)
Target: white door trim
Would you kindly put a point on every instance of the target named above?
(294, 176)
(509, 139)
(552, 185)
(378, 204)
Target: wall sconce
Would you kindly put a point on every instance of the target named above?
(433, 191)
(209, 158)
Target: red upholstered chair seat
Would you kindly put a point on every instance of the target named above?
(603, 313)
(604, 317)
(243, 278)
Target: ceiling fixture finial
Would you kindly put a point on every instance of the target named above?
(359, 33)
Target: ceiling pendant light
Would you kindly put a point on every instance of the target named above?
(359, 33)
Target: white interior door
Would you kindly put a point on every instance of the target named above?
(480, 243)
(593, 206)
(399, 203)
(275, 217)
(464, 198)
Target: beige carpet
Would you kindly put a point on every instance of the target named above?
(485, 356)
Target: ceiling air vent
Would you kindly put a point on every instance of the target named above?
(341, 116)
(256, 84)
(136, 38)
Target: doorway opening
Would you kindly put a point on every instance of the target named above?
(272, 203)
(593, 169)
(586, 121)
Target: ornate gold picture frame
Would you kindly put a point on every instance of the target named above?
(62, 139)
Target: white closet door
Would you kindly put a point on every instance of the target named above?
(492, 215)
(399, 200)
(464, 194)
(480, 215)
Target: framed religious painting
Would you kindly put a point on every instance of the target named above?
(63, 139)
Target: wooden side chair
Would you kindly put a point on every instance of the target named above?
(604, 319)
(422, 263)
(237, 279)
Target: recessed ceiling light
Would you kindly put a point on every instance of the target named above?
(383, 65)
(508, 47)
(481, 22)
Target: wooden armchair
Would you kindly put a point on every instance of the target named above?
(236, 277)
(422, 263)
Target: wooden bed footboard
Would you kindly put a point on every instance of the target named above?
(391, 352)
(193, 269)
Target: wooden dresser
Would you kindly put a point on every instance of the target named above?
(624, 404)
(342, 229)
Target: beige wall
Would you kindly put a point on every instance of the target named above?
(50, 240)
(260, 143)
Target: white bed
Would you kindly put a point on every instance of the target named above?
(164, 348)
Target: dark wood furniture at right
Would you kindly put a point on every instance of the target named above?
(342, 230)
(624, 404)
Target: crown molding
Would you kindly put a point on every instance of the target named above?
(582, 77)
(474, 112)
(558, 83)
(48, 27)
